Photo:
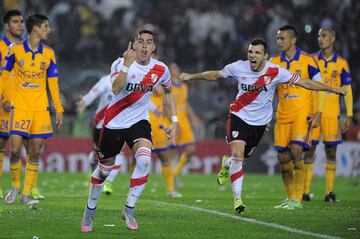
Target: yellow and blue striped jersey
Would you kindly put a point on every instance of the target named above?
(32, 71)
(295, 100)
(335, 73)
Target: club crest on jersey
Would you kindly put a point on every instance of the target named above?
(267, 80)
(154, 77)
(235, 134)
(21, 63)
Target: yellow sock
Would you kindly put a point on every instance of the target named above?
(167, 171)
(287, 171)
(15, 172)
(1, 166)
(330, 171)
(37, 173)
(181, 164)
(299, 172)
(308, 177)
(30, 175)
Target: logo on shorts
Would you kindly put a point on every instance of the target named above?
(235, 134)
(154, 77)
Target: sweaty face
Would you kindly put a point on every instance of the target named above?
(283, 41)
(326, 39)
(257, 56)
(44, 30)
(16, 26)
(144, 47)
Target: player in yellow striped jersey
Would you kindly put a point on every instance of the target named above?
(33, 66)
(160, 140)
(14, 28)
(293, 110)
(335, 72)
(185, 139)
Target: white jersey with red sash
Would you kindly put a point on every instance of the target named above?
(253, 103)
(131, 104)
(103, 90)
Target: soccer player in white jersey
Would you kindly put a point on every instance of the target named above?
(134, 78)
(252, 109)
(102, 90)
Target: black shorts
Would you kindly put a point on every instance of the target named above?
(237, 129)
(112, 140)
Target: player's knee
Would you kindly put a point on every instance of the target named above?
(190, 150)
(284, 156)
(14, 155)
(143, 158)
(92, 158)
(331, 152)
(296, 152)
(104, 170)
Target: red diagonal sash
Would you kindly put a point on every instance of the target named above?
(249, 96)
(99, 116)
(133, 97)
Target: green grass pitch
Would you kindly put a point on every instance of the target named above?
(205, 211)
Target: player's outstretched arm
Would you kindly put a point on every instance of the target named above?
(207, 75)
(318, 86)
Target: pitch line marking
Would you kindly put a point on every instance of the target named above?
(250, 220)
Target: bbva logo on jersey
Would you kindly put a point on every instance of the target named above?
(139, 87)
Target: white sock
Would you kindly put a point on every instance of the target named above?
(139, 177)
(236, 176)
(116, 167)
(92, 160)
(97, 183)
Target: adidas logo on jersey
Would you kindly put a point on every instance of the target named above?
(139, 87)
(252, 88)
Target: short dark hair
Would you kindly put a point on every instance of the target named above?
(35, 20)
(142, 32)
(289, 28)
(9, 14)
(260, 41)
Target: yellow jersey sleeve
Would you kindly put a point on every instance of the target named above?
(52, 76)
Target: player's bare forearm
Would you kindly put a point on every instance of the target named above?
(169, 101)
(206, 75)
(119, 82)
(318, 86)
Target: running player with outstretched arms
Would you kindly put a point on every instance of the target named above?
(252, 109)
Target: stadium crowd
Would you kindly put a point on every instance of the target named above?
(89, 35)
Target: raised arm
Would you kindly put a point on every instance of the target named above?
(318, 86)
(207, 75)
(119, 78)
